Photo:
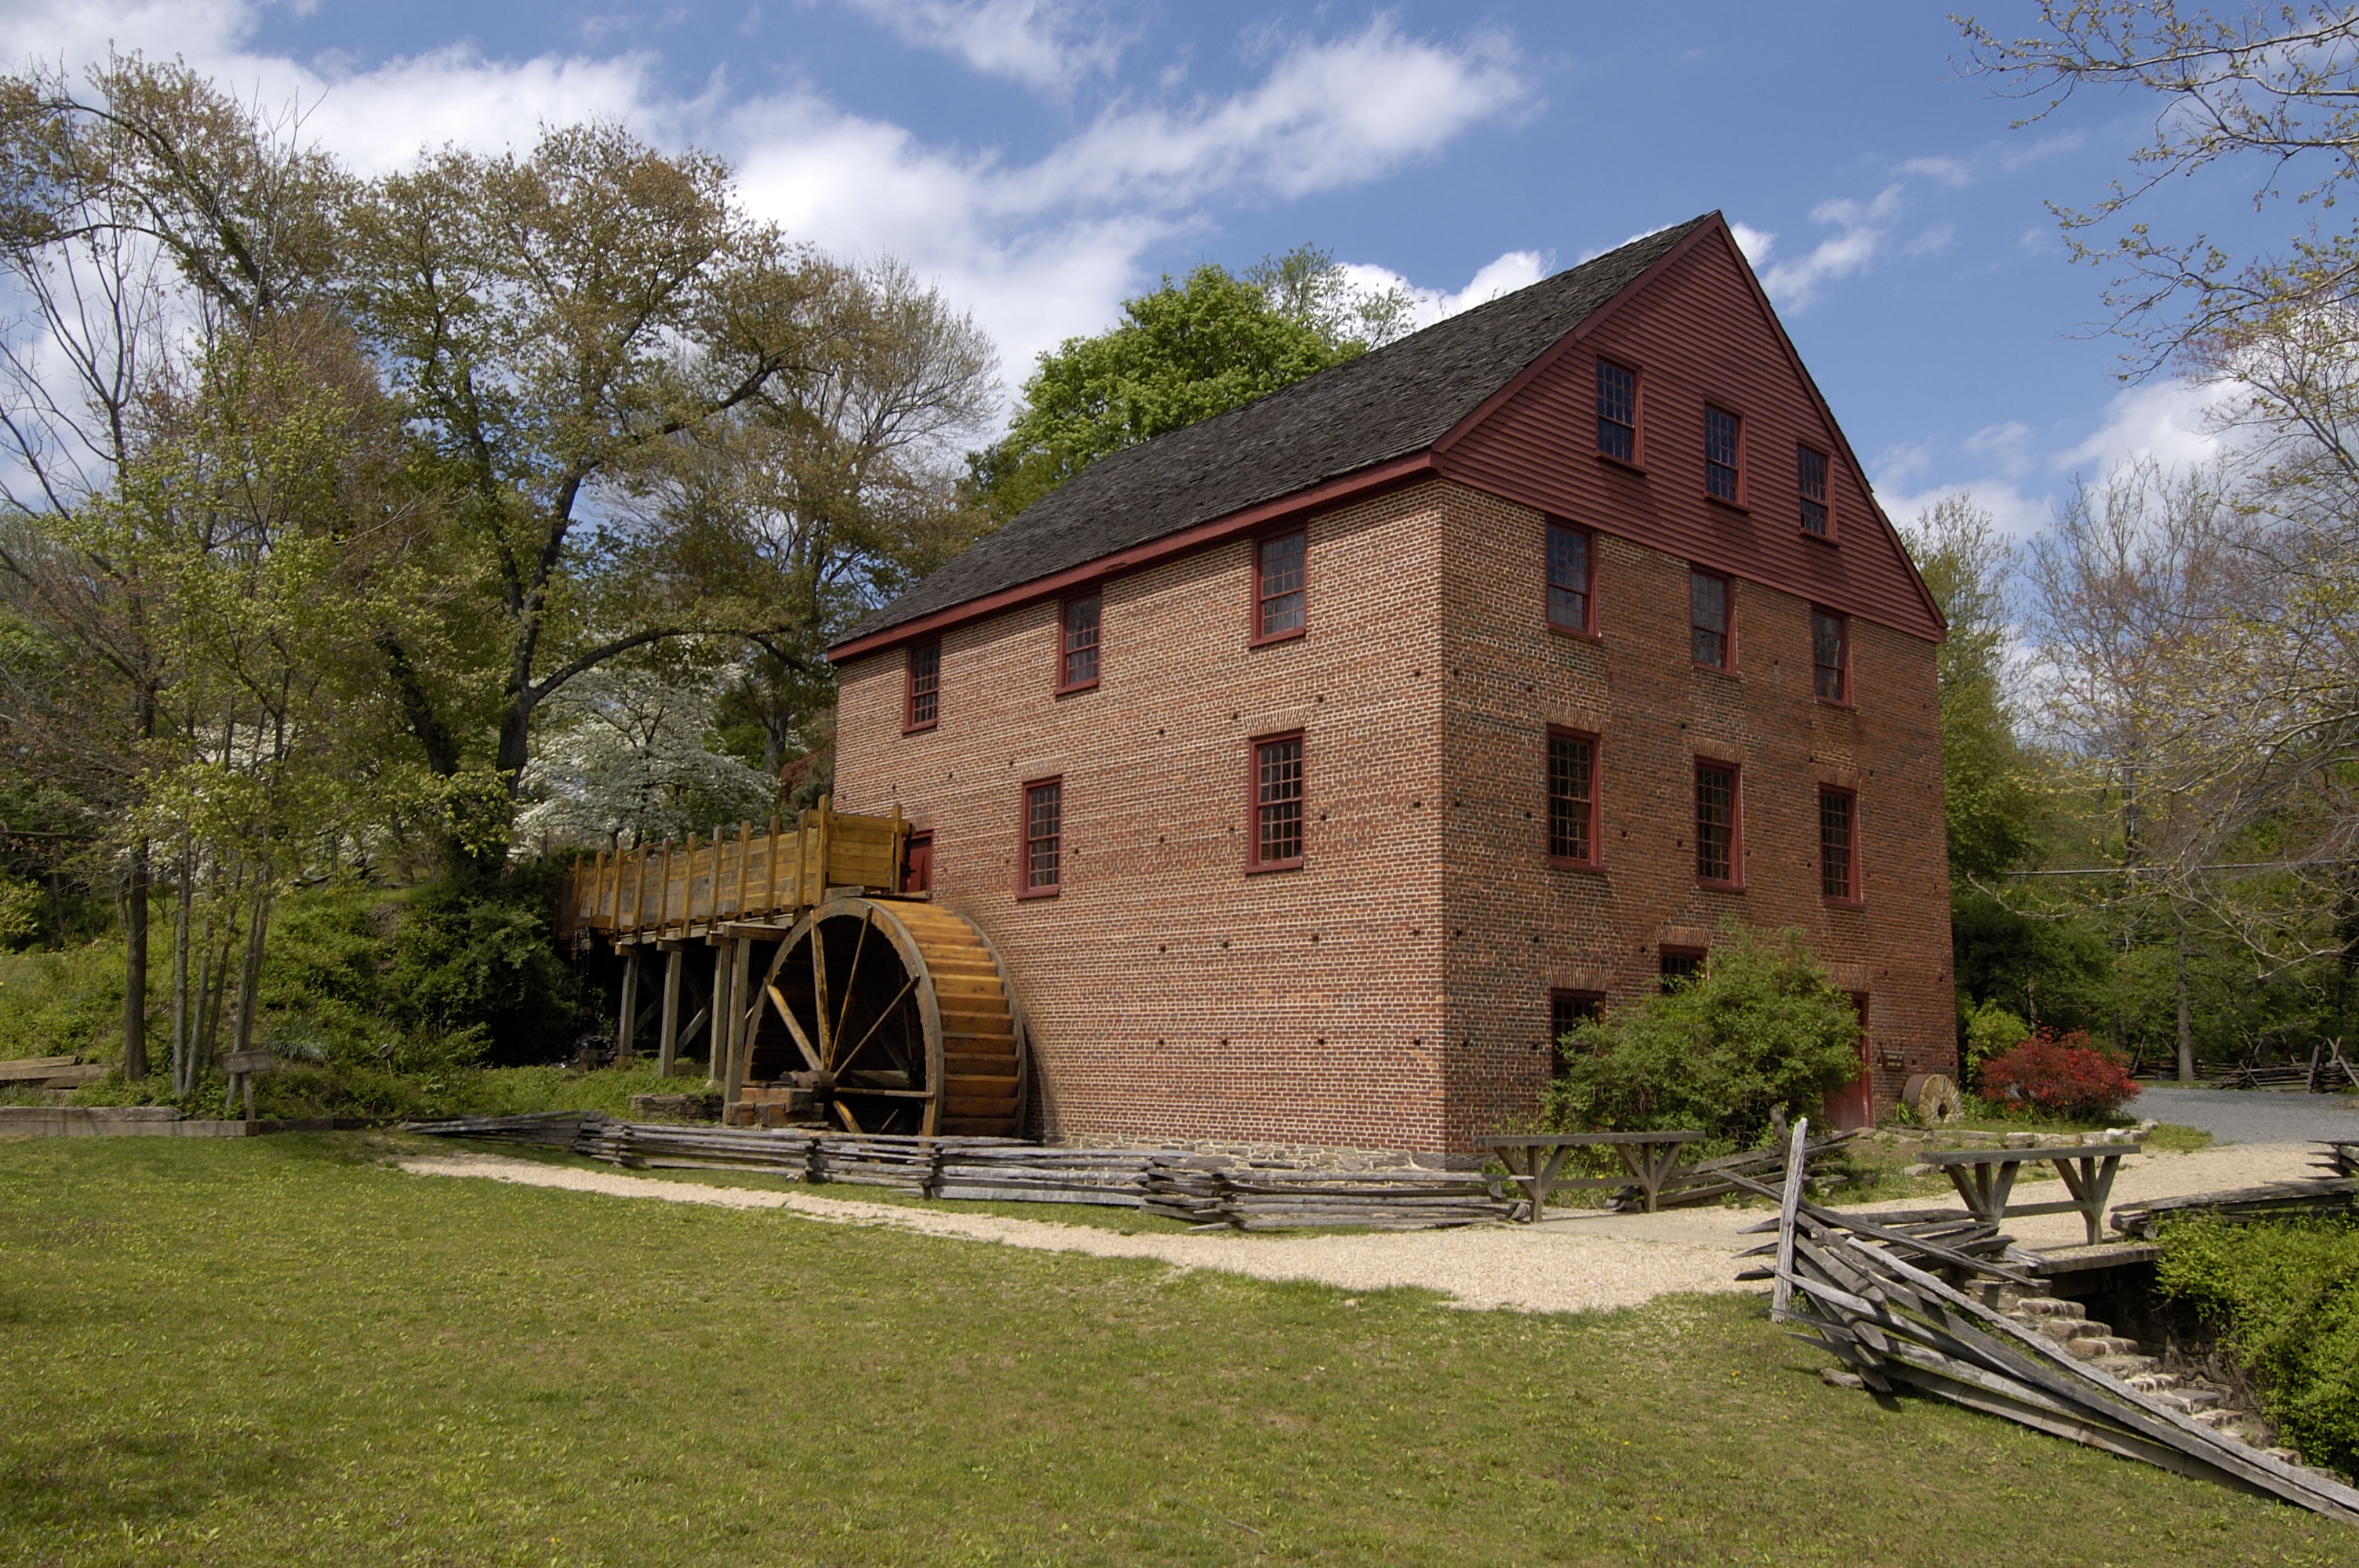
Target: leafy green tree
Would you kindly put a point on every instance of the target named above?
(1762, 1027)
(1213, 342)
(1990, 811)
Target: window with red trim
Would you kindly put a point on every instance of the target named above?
(1279, 574)
(1044, 838)
(1568, 578)
(1810, 474)
(1571, 797)
(1617, 411)
(1277, 803)
(1568, 1010)
(1708, 618)
(1680, 967)
(1077, 665)
(1715, 823)
(1830, 656)
(1723, 450)
(924, 705)
(1838, 845)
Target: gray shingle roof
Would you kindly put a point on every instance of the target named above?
(1396, 401)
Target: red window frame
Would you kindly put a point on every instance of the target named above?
(1821, 620)
(1268, 800)
(1040, 839)
(1679, 964)
(1721, 459)
(1567, 1011)
(1564, 543)
(1731, 858)
(1273, 589)
(1551, 842)
(1621, 406)
(1847, 891)
(1080, 625)
(921, 688)
(1697, 629)
(1814, 479)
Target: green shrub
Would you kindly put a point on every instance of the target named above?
(55, 1003)
(1762, 1027)
(470, 955)
(2285, 1298)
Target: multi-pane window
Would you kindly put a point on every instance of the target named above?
(1719, 453)
(1715, 822)
(1277, 802)
(1811, 473)
(1830, 656)
(1617, 411)
(1571, 797)
(1278, 600)
(1838, 845)
(925, 687)
(1078, 663)
(1568, 578)
(1044, 837)
(1680, 967)
(1708, 618)
(1568, 1010)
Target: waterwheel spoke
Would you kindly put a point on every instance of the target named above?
(851, 989)
(818, 991)
(891, 1008)
(850, 1120)
(795, 1030)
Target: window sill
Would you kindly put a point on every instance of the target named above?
(1708, 885)
(920, 728)
(1294, 636)
(1820, 538)
(1559, 863)
(1844, 902)
(1844, 703)
(1723, 671)
(1625, 464)
(1077, 687)
(1258, 868)
(1727, 505)
(1024, 894)
(1579, 634)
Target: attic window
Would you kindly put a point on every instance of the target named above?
(1277, 595)
(923, 706)
(1721, 448)
(1811, 473)
(1617, 411)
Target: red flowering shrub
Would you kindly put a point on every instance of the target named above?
(2061, 1075)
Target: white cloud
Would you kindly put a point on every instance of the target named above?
(1859, 231)
(1503, 275)
(2008, 444)
(1048, 45)
(1037, 251)
(1950, 171)
(1756, 243)
(2168, 421)
(1938, 239)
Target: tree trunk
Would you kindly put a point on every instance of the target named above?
(183, 909)
(249, 979)
(135, 964)
(2178, 984)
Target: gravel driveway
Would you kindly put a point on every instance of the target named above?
(2252, 1116)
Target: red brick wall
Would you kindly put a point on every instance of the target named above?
(1171, 994)
(1168, 992)
(1520, 927)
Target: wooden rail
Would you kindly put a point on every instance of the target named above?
(668, 889)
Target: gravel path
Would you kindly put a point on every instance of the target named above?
(1581, 1262)
(1530, 1270)
(2252, 1116)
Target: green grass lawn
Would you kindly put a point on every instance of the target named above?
(280, 1351)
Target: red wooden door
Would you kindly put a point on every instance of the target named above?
(1853, 1105)
(918, 864)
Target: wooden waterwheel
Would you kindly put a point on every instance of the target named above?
(899, 1016)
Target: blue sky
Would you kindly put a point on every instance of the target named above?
(1042, 159)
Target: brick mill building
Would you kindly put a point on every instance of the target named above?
(1310, 766)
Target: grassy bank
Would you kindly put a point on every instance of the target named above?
(277, 1352)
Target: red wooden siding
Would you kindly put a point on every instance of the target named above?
(1697, 332)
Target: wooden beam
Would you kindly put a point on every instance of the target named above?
(667, 1048)
(628, 1027)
